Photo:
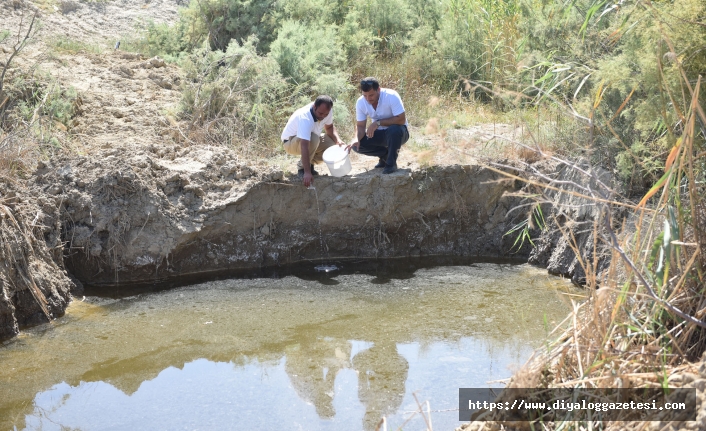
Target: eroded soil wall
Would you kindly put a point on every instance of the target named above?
(158, 214)
(574, 222)
(34, 287)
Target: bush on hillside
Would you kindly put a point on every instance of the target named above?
(306, 54)
(216, 21)
(467, 38)
(236, 95)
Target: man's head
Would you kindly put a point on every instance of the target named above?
(370, 87)
(322, 107)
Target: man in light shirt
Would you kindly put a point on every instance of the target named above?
(387, 131)
(302, 136)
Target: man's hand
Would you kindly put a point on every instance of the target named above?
(308, 179)
(371, 129)
(354, 144)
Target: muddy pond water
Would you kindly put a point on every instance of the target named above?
(298, 351)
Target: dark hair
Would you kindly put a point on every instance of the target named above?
(323, 99)
(367, 83)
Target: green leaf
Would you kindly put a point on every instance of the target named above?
(656, 245)
(546, 76)
(655, 188)
(592, 11)
(673, 223)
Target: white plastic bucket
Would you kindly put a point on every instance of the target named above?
(337, 161)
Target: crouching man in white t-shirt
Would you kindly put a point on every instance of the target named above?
(388, 124)
(302, 136)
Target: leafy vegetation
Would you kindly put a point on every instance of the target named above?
(422, 49)
(618, 69)
(227, 92)
(643, 323)
(522, 231)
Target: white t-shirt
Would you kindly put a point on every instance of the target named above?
(302, 124)
(389, 105)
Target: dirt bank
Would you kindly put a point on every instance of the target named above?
(34, 287)
(167, 212)
(572, 220)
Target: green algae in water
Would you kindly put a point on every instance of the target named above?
(291, 353)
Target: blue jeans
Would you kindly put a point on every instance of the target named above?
(384, 144)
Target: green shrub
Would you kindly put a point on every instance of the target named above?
(441, 41)
(355, 39)
(170, 42)
(60, 105)
(221, 21)
(216, 21)
(239, 95)
(34, 95)
(386, 20)
(310, 56)
(614, 68)
(308, 12)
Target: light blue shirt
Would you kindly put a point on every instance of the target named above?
(389, 105)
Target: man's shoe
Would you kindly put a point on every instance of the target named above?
(313, 171)
(381, 164)
(390, 169)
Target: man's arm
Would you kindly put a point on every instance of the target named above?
(398, 120)
(361, 118)
(308, 177)
(359, 133)
(333, 134)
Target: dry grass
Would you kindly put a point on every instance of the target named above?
(432, 126)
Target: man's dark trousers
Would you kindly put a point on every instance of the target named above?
(384, 144)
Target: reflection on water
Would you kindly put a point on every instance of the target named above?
(288, 353)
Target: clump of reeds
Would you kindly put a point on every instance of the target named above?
(645, 319)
